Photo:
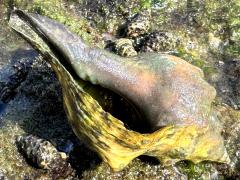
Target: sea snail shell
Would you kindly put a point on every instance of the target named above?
(170, 93)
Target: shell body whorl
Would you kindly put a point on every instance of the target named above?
(168, 91)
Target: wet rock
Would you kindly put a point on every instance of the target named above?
(2, 175)
(231, 134)
(65, 145)
(233, 72)
(21, 63)
(138, 25)
(42, 154)
(215, 43)
(7, 89)
(138, 169)
(159, 42)
(228, 84)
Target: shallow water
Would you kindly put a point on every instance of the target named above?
(2, 107)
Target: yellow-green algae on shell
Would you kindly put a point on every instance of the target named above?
(187, 139)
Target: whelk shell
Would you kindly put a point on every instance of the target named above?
(170, 93)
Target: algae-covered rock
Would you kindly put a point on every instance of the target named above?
(159, 42)
(138, 25)
(57, 10)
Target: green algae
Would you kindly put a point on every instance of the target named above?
(231, 133)
(199, 171)
(146, 4)
(222, 16)
(195, 59)
(233, 49)
(8, 39)
(142, 168)
(56, 9)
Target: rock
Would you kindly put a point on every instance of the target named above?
(159, 42)
(2, 175)
(20, 71)
(138, 24)
(215, 43)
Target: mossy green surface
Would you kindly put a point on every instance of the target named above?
(56, 9)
